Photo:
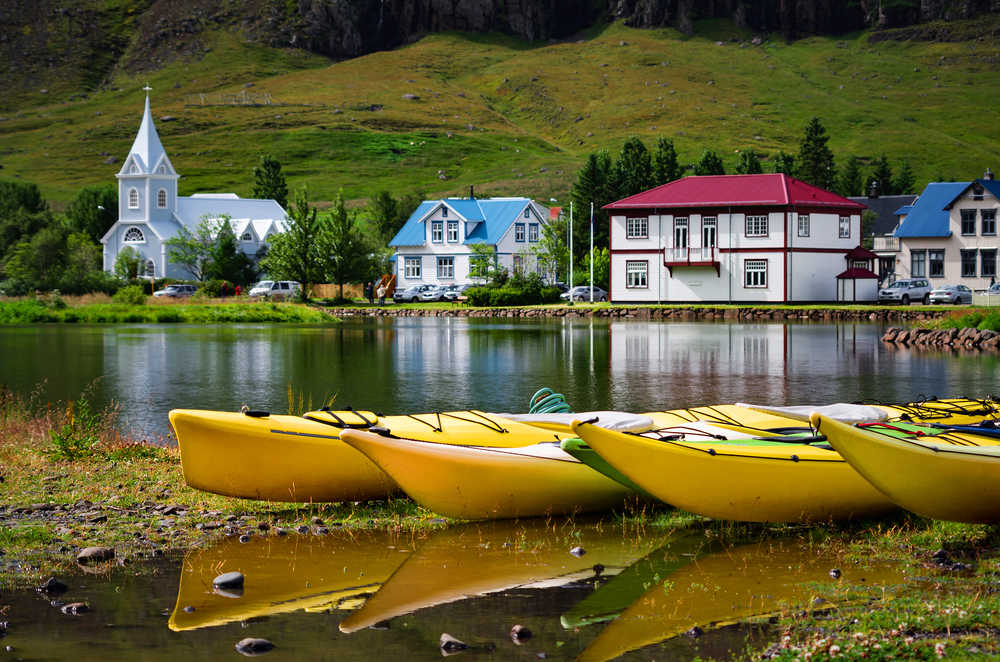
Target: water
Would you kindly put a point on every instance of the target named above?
(379, 595)
(425, 364)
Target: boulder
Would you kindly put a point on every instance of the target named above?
(95, 555)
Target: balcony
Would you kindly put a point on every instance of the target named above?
(691, 256)
(886, 244)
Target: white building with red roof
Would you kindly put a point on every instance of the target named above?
(731, 238)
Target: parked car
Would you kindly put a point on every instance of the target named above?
(905, 291)
(434, 293)
(994, 290)
(176, 290)
(456, 292)
(411, 293)
(275, 288)
(582, 293)
(951, 294)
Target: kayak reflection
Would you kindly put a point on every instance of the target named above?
(284, 574)
(725, 587)
(479, 558)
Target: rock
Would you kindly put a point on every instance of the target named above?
(53, 586)
(578, 551)
(245, 537)
(317, 521)
(167, 118)
(519, 633)
(694, 632)
(450, 644)
(95, 555)
(75, 608)
(411, 97)
(110, 160)
(321, 531)
(280, 531)
(302, 529)
(228, 580)
(263, 526)
(940, 556)
(253, 646)
(188, 609)
(835, 573)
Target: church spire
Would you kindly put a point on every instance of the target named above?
(147, 145)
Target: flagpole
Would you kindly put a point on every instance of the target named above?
(591, 252)
(570, 253)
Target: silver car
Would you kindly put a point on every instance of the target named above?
(582, 293)
(951, 294)
(906, 291)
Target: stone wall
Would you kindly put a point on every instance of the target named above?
(967, 338)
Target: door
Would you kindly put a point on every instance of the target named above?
(708, 239)
(680, 239)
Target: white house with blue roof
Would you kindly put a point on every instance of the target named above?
(435, 244)
(949, 234)
(150, 212)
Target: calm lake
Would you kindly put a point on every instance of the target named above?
(408, 365)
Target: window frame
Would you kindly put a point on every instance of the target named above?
(803, 228)
(985, 272)
(758, 223)
(756, 264)
(967, 222)
(637, 227)
(452, 235)
(532, 233)
(992, 218)
(437, 232)
(844, 228)
(447, 264)
(130, 230)
(969, 258)
(922, 262)
(935, 257)
(519, 233)
(412, 267)
(633, 270)
(133, 198)
(161, 199)
(527, 212)
(246, 236)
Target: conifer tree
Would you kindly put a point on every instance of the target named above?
(784, 163)
(593, 185)
(665, 166)
(269, 181)
(633, 169)
(851, 181)
(881, 176)
(710, 164)
(749, 163)
(344, 245)
(905, 181)
(815, 162)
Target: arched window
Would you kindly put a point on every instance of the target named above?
(246, 236)
(134, 170)
(134, 236)
(148, 269)
(161, 198)
(162, 170)
(133, 199)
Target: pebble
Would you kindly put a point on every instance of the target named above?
(95, 555)
(835, 573)
(253, 646)
(75, 608)
(245, 537)
(302, 529)
(450, 644)
(228, 580)
(53, 585)
(578, 551)
(519, 633)
(188, 609)
(694, 632)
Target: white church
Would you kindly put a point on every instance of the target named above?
(150, 212)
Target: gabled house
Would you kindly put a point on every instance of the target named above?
(949, 234)
(150, 212)
(731, 238)
(435, 244)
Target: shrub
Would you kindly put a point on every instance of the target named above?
(217, 288)
(80, 432)
(130, 295)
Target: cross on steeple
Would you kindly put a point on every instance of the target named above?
(147, 89)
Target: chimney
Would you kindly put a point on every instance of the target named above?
(472, 192)
(988, 175)
(873, 189)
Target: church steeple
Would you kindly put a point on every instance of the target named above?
(147, 182)
(147, 146)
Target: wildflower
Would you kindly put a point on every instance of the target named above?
(834, 649)
(939, 649)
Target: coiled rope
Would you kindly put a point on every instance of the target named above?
(546, 401)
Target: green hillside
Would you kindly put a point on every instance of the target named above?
(517, 118)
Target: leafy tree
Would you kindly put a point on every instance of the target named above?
(553, 247)
(881, 176)
(749, 163)
(82, 259)
(94, 210)
(784, 163)
(868, 218)
(633, 171)
(905, 181)
(127, 263)
(665, 165)
(710, 164)
(269, 181)
(38, 261)
(21, 195)
(593, 184)
(815, 162)
(602, 268)
(483, 261)
(226, 261)
(23, 212)
(851, 181)
(193, 250)
(384, 210)
(349, 253)
(298, 253)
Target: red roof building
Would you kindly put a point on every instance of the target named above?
(731, 238)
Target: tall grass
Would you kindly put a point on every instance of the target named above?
(982, 320)
(29, 311)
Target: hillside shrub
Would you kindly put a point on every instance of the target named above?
(130, 295)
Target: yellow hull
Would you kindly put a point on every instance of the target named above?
(930, 477)
(476, 559)
(284, 574)
(480, 482)
(786, 483)
(293, 458)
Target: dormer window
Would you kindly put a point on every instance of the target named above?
(527, 212)
(161, 198)
(444, 212)
(977, 191)
(134, 236)
(134, 170)
(246, 236)
(133, 199)
(162, 170)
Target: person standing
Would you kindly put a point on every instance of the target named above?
(370, 292)
(381, 294)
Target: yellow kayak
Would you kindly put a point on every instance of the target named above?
(301, 458)
(745, 479)
(951, 476)
(487, 482)
(730, 586)
(284, 574)
(476, 559)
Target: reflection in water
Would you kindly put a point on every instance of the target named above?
(424, 364)
(476, 559)
(725, 587)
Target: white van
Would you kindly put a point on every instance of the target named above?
(283, 289)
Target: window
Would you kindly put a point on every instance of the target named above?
(446, 267)
(988, 262)
(527, 212)
(803, 225)
(989, 217)
(977, 191)
(680, 238)
(412, 267)
(533, 232)
(444, 212)
(918, 263)
(756, 226)
(935, 261)
(246, 236)
(968, 263)
(133, 199)
(518, 264)
(845, 227)
(134, 236)
(519, 232)
(968, 221)
(148, 269)
(637, 228)
(636, 272)
(859, 264)
(437, 232)
(755, 273)
(452, 231)
(161, 198)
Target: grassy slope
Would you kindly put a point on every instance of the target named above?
(516, 118)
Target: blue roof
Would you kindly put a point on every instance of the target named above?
(496, 215)
(928, 215)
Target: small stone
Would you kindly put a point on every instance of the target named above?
(321, 531)
(263, 526)
(940, 555)
(228, 580)
(450, 644)
(578, 551)
(835, 573)
(317, 521)
(253, 646)
(694, 632)
(188, 609)
(245, 537)
(95, 555)
(75, 608)
(302, 529)
(53, 585)
(519, 633)
(280, 531)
